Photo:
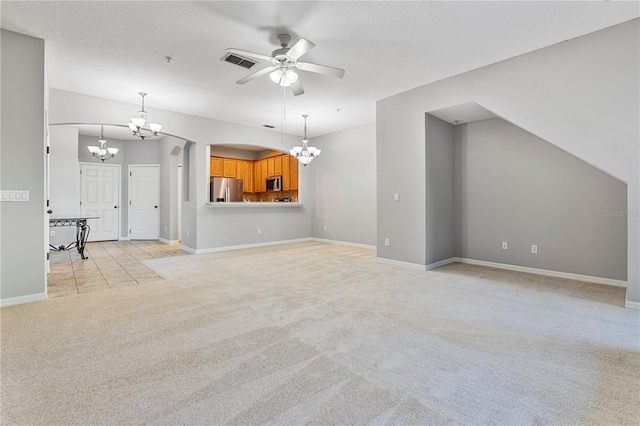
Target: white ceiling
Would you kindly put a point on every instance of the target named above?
(114, 49)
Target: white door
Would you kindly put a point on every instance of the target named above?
(100, 197)
(144, 194)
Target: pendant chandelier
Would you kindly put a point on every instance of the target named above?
(305, 154)
(102, 152)
(137, 124)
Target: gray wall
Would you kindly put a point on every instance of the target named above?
(580, 95)
(171, 152)
(24, 224)
(344, 185)
(440, 190)
(517, 188)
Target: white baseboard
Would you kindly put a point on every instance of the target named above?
(169, 242)
(545, 272)
(632, 305)
(188, 249)
(253, 245)
(23, 299)
(124, 239)
(441, 263)
(400, 263)
(344, 243)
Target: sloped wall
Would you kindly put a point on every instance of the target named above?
(517, 188)
(581, 95)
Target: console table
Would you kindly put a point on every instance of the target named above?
(82, 232)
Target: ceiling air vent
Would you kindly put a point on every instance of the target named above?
(238, 60)
(268, 126)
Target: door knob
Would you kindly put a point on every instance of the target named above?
(115, 207)
(49, 211)
(155, 207)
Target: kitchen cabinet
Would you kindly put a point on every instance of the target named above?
(247, 175)
(215, 167)
(229, 167)
(293, 171)
(260, 176)
(271, 170)
(277, 165)
(263, 175)
(286, 174)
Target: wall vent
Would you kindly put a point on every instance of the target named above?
(268, 126)
(238, 60)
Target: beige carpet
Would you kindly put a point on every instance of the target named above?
(323, 334)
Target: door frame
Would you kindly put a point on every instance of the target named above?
(92, 163)
(129, 220)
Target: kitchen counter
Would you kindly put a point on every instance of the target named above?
(254, 205)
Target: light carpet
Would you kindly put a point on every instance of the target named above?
(323, 334)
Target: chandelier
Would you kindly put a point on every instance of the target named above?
(102, 152)
(137, 123)
(305, 154)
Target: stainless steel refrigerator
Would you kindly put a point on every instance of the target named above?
(226, 190)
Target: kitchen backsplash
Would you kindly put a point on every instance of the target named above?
(269, 197)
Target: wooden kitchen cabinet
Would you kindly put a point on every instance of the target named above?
(247, 175)
(260, 176)
(215, 167)
(263, 175)
(229, 167)
(277, 165)
(293, 170)
(286, 174)
(271, 169)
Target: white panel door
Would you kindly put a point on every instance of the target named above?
(144, 194)
(100, 197)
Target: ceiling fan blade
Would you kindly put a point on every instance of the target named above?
(249, 54)
(301, 47)
(256, 74)
(296, 88)
(320, 69)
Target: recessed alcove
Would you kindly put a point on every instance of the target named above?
(489, 181)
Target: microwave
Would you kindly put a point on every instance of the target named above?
(274, 183)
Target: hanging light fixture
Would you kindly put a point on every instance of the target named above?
(305, 154)
(102, 152)
(137, 123)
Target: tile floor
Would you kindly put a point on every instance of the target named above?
(110, 264)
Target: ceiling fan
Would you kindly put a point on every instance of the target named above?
(285, 61)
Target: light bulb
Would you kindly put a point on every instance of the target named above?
(275, 76)
(291, 76)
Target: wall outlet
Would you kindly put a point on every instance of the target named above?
(259, 230)
(534, 249)
(325, 227)
(386, 242)
(505, 246)
(52, 233)
(396, 197)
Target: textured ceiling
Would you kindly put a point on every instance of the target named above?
(115, 49)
